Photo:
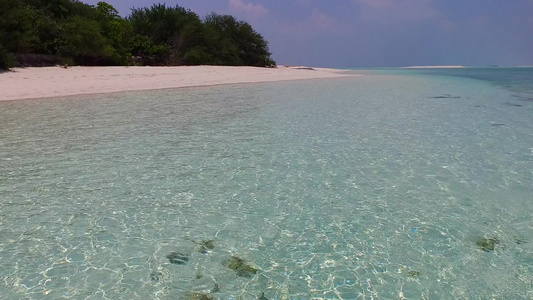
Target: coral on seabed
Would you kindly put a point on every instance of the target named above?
(240, 266)
(200, 296)
(487, 244)
(413, 274)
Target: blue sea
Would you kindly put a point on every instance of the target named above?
(399, 184)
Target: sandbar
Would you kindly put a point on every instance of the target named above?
(434, 67)
(47, 82)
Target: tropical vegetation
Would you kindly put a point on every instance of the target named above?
(70, 32)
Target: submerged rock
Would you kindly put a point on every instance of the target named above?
(216, 288)
(200, 296)
(513, 104)
(240, 266)
(155, 276)
(518, 240)
(446, 96)
(209, 244)
(178, 258)
(487, 244)
(523, 98)
(205, 245)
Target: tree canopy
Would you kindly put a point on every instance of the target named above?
(72, 32)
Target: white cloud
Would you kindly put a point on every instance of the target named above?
(389, 11)
(316, 24)
(320, 20)
(250, 9)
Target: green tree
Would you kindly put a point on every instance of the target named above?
(63, 27)
(239, 43)
(117, 32)
(180, 30)
(160, 35)
(18, 30)
(62, 9)
(81, 37)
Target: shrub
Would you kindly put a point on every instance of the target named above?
(7, 59)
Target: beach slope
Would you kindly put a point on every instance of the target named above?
(30, 83)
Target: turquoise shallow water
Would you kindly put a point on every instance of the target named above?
(375, 187)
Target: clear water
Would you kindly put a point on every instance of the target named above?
(375, 187)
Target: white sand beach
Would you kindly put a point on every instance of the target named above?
(30, 83)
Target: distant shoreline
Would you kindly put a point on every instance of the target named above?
(48, 82)
(434, 67)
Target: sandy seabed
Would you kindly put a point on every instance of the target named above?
(30, 83)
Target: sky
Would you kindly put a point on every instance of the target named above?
(380, 33)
